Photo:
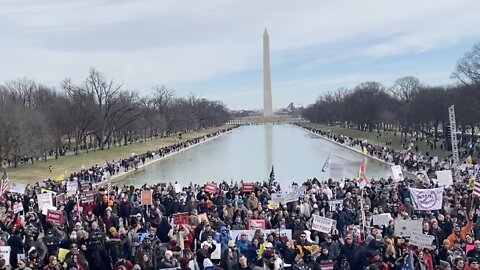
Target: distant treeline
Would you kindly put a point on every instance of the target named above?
(36, 120)
(408, 106)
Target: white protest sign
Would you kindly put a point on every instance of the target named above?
(284, 198)
(5, 254)
(397, 172)
(408, 227)
(72, 187)
(322, 224)
(17, 207)
(17, 188)
(217, 253)
(20, 256)
(45, 201)
(444, 178)
(178, 188)
(235, 234)
(421, 240)
(381, 219)
(427, 199)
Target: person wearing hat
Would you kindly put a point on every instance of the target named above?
(461, 233)
(473, 263)
(168, 261)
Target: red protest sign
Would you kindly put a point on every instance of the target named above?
(254, 224)
(248, 187)
(180, 218)
(55, 216)
(146, 197)
(211, 188)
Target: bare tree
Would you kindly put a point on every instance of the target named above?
(467, 70)
(405, 88)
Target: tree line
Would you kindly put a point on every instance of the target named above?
(37, 120)
(408, 105)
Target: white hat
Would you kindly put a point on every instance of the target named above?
(315, 206)
(268, 245)
(205, 243)
(168, 252)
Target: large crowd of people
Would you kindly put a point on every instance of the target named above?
(85, 223)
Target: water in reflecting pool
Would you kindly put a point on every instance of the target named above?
(249, 152)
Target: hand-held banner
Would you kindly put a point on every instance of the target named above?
(322, 224)
(211, 188)
(427, 199)
(248, 187)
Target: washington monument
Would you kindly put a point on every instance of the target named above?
(267, 82)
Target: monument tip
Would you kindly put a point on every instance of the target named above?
(265, 32)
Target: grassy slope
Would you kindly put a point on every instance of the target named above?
(30, 173)
(386, 136)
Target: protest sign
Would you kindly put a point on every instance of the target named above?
(55, 216)
(146, 197)
(17, 188)
(178, 188)
(427, 199)
(322, 224)
(17, 207)
(60, 199)
(254, 224)
(333, 204)
(381, 219)
(248, 187)
(421, 240)
(444, 178)
(217, 253)
(72, 187)
(211, 188)
(20, 256)
(86, 197)
(45, 201)
(397, 173)
(5, 254)
(284, 198)
(84, 185)
(180, 218)
(235, 234)
(407, 227)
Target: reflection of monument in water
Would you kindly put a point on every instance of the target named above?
(268, 128)
(267, 82)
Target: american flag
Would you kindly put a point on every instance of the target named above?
(476, 187)
(4, 183)
(408, 263)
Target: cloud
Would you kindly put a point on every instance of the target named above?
(151, 42)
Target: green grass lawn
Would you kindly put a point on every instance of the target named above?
(385, 136)
(31, 173)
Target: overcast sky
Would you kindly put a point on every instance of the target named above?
(213, 48)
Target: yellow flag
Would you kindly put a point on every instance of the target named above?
(62, 253)
(60, 178)
(469, 159)
(365, 151)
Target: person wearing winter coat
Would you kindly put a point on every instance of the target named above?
(223, 238)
